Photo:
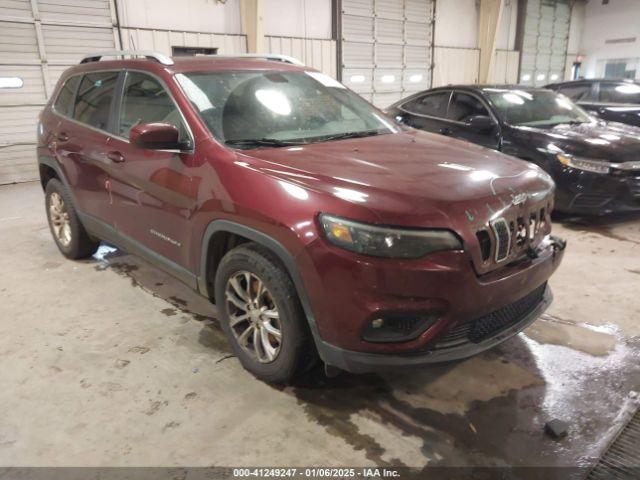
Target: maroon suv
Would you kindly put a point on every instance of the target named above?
(316, 223)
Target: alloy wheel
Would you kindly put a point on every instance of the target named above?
(59, 217)
(253, 316)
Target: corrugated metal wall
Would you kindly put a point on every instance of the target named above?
(545, 40)
(163, 40)
(386, 47)
(39, 39)
(462, 65)
(317, 53)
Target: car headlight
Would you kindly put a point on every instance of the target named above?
(386, 242)
(595, 166)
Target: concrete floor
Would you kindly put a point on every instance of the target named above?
(110, 362)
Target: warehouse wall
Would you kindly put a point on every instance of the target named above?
(298, 18)
(457, 56)
(610, 32)
(301, 28)
(162, 24)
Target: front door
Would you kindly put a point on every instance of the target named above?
(427, 112)
(464, 108)
(154, 192)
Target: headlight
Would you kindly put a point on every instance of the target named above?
(386, 242)
(595, 166)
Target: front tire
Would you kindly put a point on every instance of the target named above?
(72, 239)
(261, 314)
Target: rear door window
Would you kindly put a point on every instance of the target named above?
(464, 106)
(619, 92)
(576, 92)
(145, 100)
(94, 99)
(64, 103)
(432, 104)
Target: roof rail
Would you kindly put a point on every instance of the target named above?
(158, 57)
(266, 56)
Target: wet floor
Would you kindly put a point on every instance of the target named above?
(112, 362)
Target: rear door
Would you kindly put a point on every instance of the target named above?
(463, 107)
(154, 191)
(427, 112)
(618, 102)
(81, 136)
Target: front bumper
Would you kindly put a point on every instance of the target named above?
(360, 362)
(347, 291)
(588, 193)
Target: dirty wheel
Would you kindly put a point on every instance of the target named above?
(253, 316)
(68, 233)
(261, 314)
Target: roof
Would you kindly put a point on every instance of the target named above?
(594, 80)
(487, 86)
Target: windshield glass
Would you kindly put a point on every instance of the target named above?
(535, 108)
(250, 109)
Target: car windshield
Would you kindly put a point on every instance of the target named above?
(252, 109)
(535, 108)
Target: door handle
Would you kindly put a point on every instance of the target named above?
(62, 137)
(115, 157)
(445, 131)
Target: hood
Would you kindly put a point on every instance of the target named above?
(411, 177)
(611, 141)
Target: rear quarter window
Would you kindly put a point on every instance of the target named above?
(432, 104)
(94, 97)
(64, 103)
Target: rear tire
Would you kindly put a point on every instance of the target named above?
(261, 314)
(72, 239)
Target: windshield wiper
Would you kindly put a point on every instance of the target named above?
(345, 135)
(259, 142)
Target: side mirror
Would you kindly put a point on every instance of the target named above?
(480, 123)
(156, 136)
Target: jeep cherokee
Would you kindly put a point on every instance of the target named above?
(315, 223)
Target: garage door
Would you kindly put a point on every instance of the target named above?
(387, 47)
(545, 40)
(39, 39)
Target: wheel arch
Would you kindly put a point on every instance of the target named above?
(210, 259)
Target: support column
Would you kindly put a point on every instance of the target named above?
(252, 24)
(490, 14)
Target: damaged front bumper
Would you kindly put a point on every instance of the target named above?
(462, 341)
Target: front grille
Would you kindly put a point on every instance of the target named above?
(590, 200)
(634, 185)
(511, 235)
(622, 459)
(492, 324)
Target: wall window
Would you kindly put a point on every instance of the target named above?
(464, 106)
(192, 51)
(66, 97)
(146, 101)
(93, 102)
(433, 104)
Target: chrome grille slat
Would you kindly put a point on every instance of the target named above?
(502, 233)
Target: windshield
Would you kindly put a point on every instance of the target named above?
(250, 109)
(535, 108)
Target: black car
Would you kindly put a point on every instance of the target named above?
(611, 100)
(595, 164)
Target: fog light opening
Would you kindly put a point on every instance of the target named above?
(399, 326)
